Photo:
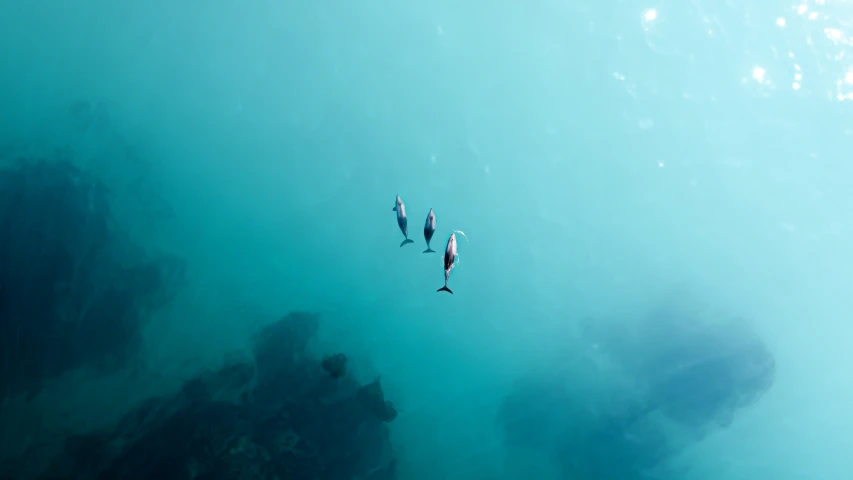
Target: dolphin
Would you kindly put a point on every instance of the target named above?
(450, 257)
(401, 219)
(429, 230)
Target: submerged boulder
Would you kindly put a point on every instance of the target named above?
(658, 384)
(335, 365)
(275, 415)
(74, 290)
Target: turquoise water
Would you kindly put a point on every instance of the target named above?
(606, 161)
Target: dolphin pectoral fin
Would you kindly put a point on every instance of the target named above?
(394, 209)
(429, 250)
(445, 289)
(407, 241)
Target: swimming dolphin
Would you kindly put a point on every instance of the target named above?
(429, 230)
(450, 256)
(401, 219)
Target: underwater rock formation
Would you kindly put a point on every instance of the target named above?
(101, 147)
(638, 396)
(372, 397)
(698, 373)
(275, 415)
(335, 365)
(74, 290)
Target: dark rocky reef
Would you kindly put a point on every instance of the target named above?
(74, 290)
(638, 394)
(335, 365)
(276, 415)
(697, 372)
(372, 398)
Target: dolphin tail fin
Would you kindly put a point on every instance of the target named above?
(429, 250)
(445, 289)
(407, 241)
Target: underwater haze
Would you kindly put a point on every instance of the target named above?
(202, 276)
